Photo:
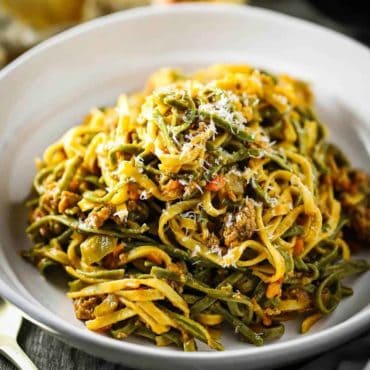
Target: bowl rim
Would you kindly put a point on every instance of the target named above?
(50, 321)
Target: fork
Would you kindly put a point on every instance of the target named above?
(10, 323)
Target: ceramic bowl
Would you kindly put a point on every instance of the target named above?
(51, 87)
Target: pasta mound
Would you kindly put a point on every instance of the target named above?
(203, 199)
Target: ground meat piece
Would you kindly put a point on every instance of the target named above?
(112, 260)
(360, 181)
(35, 214)
(84, 307)
(49, 199)
(360, 220)
(239, 226)
(352, 182)
(348, 186)
(212, 241)
(67, 200)
(97, 217)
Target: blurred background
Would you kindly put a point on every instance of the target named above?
(24, 23)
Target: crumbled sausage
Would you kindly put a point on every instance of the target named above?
(67, 200)
(239, 226)
(36, 214)
(112, 260)
(212, 241)
(360, 182)
(348, 186)
(360, 220)
(352, 182)
(84, 307)
(96, 218)
(49, 198)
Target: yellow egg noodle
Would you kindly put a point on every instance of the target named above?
(203, 200)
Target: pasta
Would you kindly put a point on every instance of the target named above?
(205, 200)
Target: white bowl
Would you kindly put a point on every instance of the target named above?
(51, 87)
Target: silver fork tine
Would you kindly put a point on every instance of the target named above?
(10, 322)
(11, 350)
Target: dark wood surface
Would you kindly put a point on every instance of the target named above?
(49, 353)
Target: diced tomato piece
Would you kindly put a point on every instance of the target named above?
(173, 185)
(273, 289)
(216, 184)
(298, 247)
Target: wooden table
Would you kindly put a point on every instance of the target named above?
(49, 353)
